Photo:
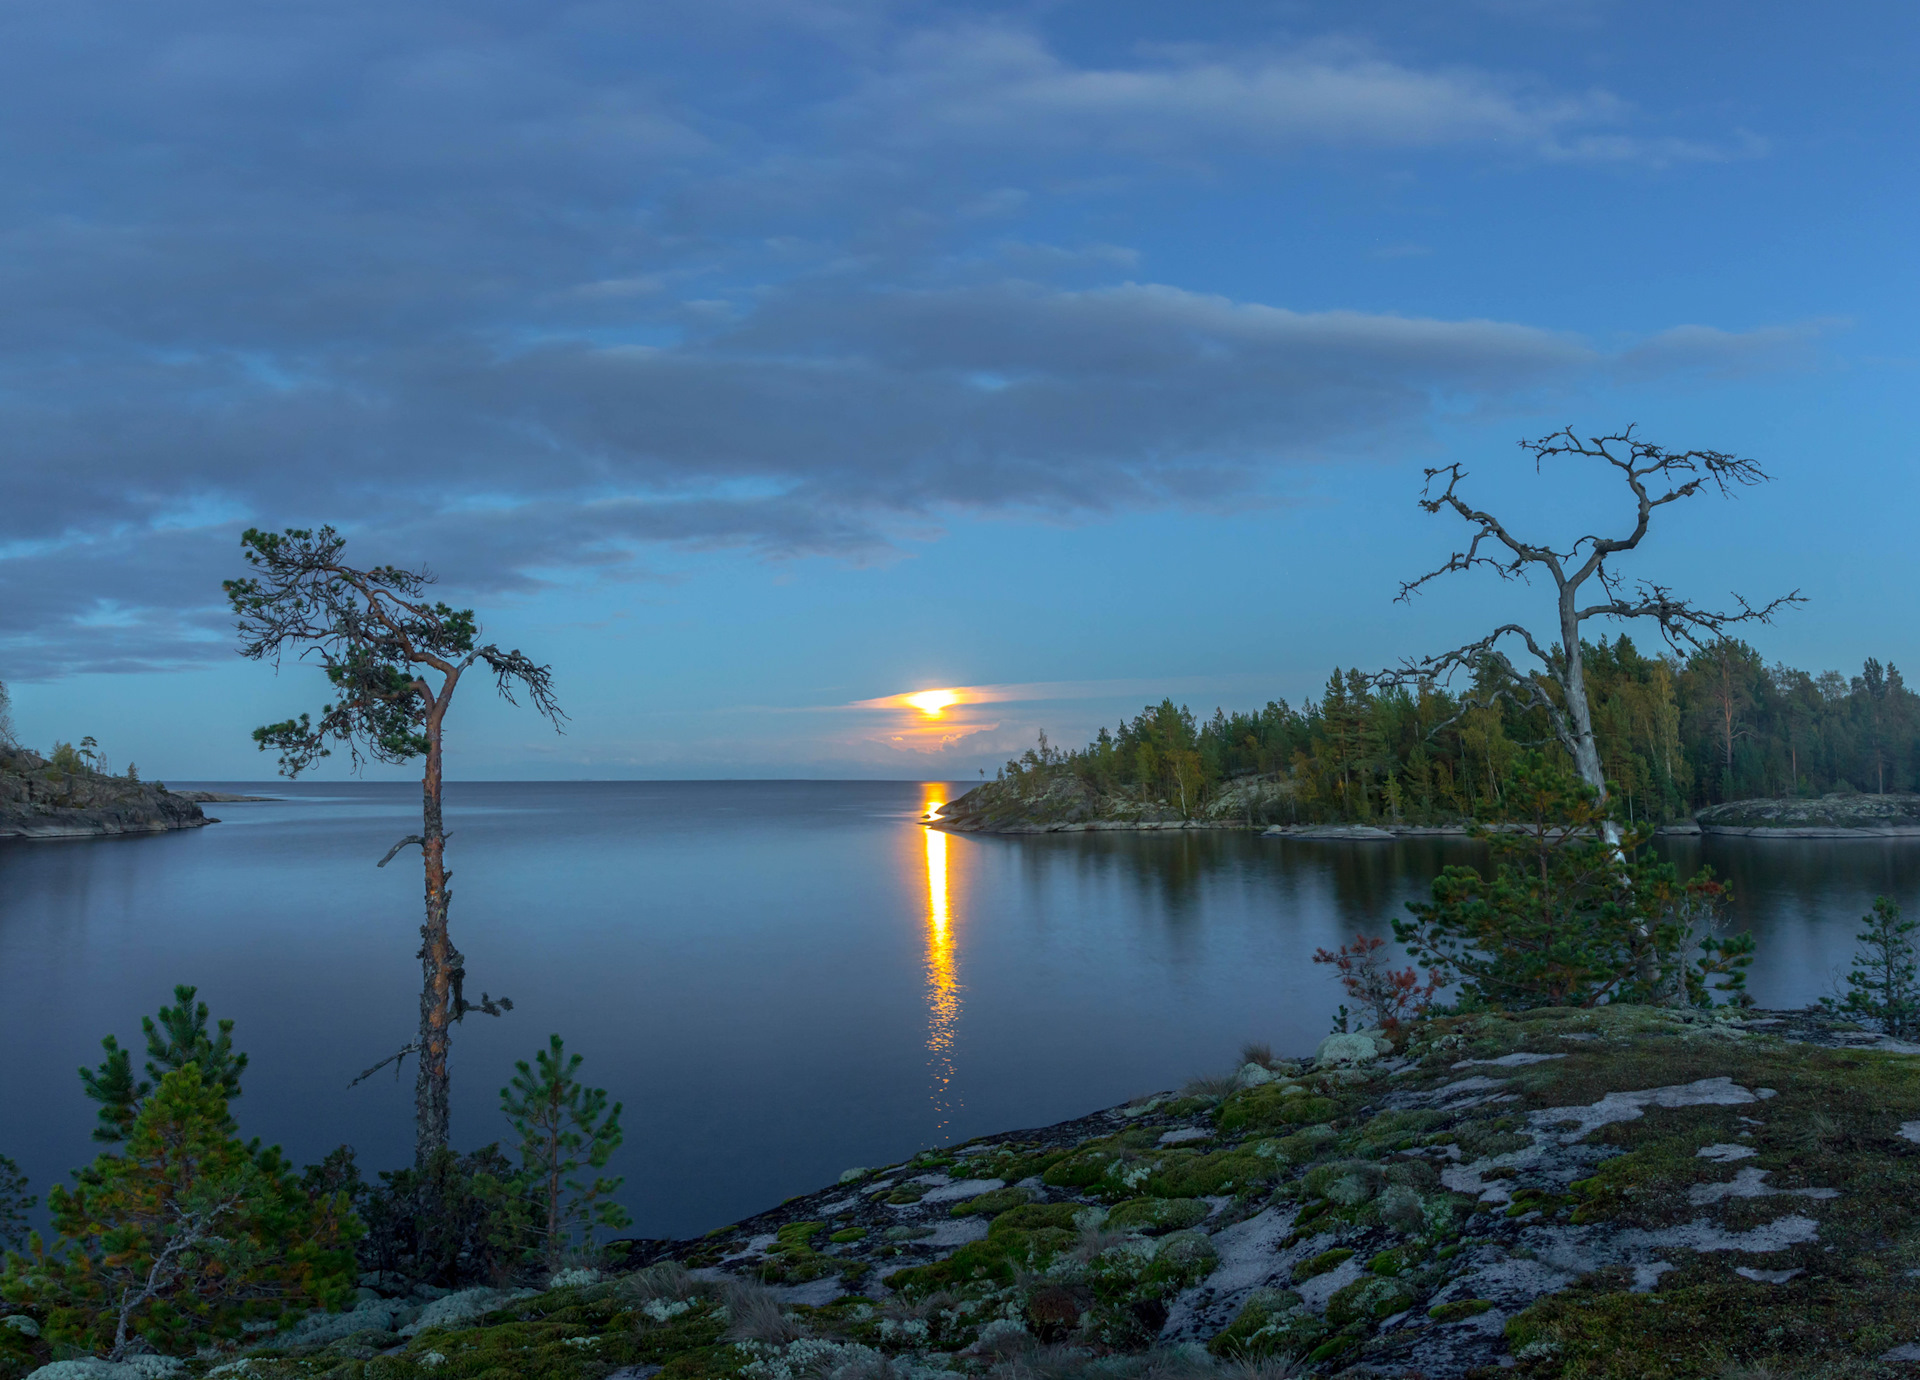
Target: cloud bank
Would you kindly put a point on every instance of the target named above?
(530, 292)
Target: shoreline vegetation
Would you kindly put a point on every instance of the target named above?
(65, 797)
(1718, 740)
(1536, 1193)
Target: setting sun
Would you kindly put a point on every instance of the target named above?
(931, 702)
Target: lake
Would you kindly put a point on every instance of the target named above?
(780, 980)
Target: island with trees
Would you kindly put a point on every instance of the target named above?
(1700, 721)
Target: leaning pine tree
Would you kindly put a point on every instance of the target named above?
(394, 659)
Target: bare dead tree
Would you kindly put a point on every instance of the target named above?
(382, 646)
(1557, 686)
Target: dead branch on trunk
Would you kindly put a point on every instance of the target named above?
(394, 659)
(1556, 683)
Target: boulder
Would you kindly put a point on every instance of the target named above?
(1361, 1047)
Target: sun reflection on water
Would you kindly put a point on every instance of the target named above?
(943, 986)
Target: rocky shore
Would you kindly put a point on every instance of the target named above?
(1623, 1192)
(40, 801)
(1066, 805)
(1853, 815)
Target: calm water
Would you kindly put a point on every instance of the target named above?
(779, 979)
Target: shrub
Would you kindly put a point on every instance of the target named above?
(454, 1221)
(1570, 917)
(1882, 979)
(182, 1238)
(1385, 996)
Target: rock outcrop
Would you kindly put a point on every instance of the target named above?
(1063, 803)
(1830, 816)
(1623, 1192)
(41, 801)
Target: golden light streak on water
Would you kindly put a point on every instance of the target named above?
(943, 985)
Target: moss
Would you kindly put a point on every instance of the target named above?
(1303, 1147)
(990, 1204)
(1347, 1183)
(992, 1261)
(582, 1339)
(1193, 1174)
(1155, 1215)
(1457, 1309)
(1320, 1264)
(1269, 1108)
(1711, 1322)
(1131, 1283)
(1368, 1300)
(792, 1259)
(1398, 1260)
(848, 1234)
(1394, 1130)
(1271, 1322)
(1035, 1216)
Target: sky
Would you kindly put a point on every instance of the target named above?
(756, 363)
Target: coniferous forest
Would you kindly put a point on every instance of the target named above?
(1676, 734)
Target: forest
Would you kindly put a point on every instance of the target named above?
(1675, 734)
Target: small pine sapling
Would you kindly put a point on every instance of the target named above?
(1385, 996)
(175, 1038)
(1883, 976)
(15, 1204)
(181, 1238)
(564, 1127)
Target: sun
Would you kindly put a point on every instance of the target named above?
(931, 702)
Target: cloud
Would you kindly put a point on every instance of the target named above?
(1003, 86)
(533, 293)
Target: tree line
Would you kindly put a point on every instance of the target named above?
(1675, 734)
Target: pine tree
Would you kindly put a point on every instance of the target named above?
(184, 1236)
(1882, 979)
(1569, 917)
(175, 1038)
(564, 1127)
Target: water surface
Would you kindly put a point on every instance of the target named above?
(780, 980)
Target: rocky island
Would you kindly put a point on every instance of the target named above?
(41, 800)
(1064, 803)
(1623, 1191)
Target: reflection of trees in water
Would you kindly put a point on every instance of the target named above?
(1824, 880)
(1801, 898)
(1172, 874)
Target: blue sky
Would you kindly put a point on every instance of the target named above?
(751, 359)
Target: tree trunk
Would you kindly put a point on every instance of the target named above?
(437, 962)
(1586, 756)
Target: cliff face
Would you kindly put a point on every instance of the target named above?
(1830, 816)
(1066, 804)
(39, 801)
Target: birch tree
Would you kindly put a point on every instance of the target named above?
(1585, 579)
(394, 659)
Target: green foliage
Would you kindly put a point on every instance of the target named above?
(175, 1038)
(15, 1204)
(183, 1238)
(1884, 990)
(990, 1204)
(1674, 735)
(455, 1221)
(564, 1127)
(374, 633)
(1567, 916)
(66, 759)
